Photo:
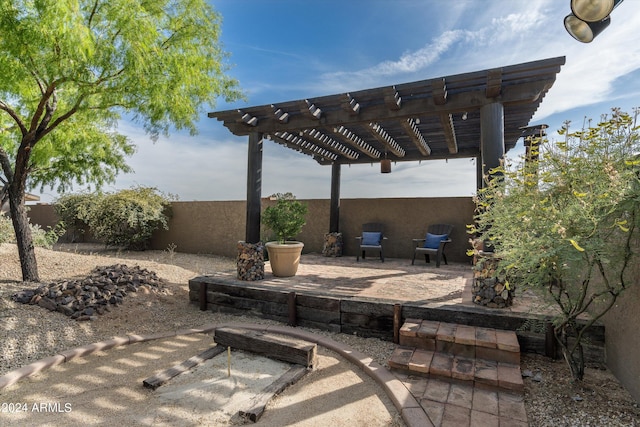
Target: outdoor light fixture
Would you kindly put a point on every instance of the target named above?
(385, 166)
(589, 18)
(464, 116)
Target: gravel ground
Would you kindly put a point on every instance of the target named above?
(29, 333)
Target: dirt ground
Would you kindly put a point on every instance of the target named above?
(106, 389)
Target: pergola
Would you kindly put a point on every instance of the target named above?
(480, 115)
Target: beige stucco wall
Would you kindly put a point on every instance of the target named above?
(215, 227)
(622, 337)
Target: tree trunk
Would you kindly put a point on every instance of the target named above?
(573, 354)
(23, 236)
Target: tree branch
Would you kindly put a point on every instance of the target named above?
(92, 14)
(14, 116)
(41, 108)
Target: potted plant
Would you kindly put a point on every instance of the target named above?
(286, 219)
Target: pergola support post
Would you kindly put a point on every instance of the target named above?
(250, 261)
(254, 188)
(334, 213)
(491, 137)
(333, 239)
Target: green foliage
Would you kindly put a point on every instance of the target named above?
(286, 218)
(6, 230)
(568, 223)
(71, 208)
(41, 238)
(72, 69)
(127, 218)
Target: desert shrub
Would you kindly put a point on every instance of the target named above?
(71, 208)
(41, 238)
(7, 234)
(569, 224)
(127, 218)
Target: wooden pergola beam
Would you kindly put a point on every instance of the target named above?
(455, 103)
(411, 128)
(446, 121)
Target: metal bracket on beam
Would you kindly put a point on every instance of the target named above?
(392, 98)
(494, 83)
(386, 139)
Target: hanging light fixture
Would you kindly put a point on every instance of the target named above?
(385, 164)
(588, 18)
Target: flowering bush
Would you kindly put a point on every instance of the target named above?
(568, 223)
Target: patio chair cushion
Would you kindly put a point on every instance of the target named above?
(371, 238)
(432, 241)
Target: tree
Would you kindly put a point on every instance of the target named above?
(568, 224)
(71, 68)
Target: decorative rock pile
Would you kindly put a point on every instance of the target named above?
(250, 261)
(332, 245)
(489, 290)
(83, 299)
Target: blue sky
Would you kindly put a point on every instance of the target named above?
(283, 50)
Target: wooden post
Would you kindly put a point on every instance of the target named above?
(491, 136)
(550, 345)
(291, 304)
(334, 212)
(397, 319)
(254, 188)
(203, 296)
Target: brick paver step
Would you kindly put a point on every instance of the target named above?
(441, 365)
(460, 353)
(461, 340)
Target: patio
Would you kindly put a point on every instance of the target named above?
(342, 295)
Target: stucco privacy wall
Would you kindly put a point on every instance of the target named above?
(622, 337)
(215, 227)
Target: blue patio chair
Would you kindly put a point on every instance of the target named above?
(371, 239)
(437, 237)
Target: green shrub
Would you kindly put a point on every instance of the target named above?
(127, 218)
(41, 238)
(286, 218)
(569, 224)
(7, 235)
(71, 208)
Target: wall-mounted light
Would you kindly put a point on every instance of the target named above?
(589, 18)
(464, 116)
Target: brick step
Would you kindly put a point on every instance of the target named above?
(459, 352)
(501, 375)
(468, 342)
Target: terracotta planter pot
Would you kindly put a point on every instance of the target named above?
(284, 257)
